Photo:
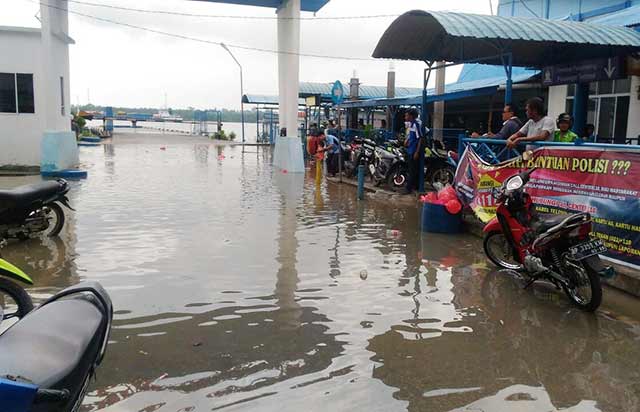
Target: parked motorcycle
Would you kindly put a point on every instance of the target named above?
(557, 248)
(48, 358)
(389, 166)
(32, 209)
(439, 169)
(15, 301)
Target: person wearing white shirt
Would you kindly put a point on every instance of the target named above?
(538, 128)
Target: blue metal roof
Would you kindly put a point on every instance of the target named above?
(456, 37)
(366, 92)
(305, 5)
(265, 100)
(627, 17)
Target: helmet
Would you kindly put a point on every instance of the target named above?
(564, 117)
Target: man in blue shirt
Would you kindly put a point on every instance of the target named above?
(332, 148)
(413, 144)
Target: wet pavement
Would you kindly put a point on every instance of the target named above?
(240, 288)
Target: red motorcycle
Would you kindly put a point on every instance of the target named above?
(557, 248)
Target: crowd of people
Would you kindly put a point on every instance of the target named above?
(538, 127)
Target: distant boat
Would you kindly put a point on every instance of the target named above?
(165, 116)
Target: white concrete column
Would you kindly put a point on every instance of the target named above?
(633, 126)
(557, 101)
(288, 153)
(59, 149)
(438, 107)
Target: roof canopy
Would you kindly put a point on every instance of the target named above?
(458, 37)
(305, 5)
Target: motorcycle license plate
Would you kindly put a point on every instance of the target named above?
(587, 249)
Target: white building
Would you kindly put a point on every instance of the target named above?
(35, 117)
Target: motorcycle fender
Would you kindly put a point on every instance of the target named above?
(493, 226)
(13, 272)
(65, 201)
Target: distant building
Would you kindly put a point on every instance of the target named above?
(35, 93)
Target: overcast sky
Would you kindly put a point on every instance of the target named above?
(122, 66)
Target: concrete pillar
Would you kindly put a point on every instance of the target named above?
(438, 107)
(59, 149)
(391, 93)
(633, 126)
(288, 152)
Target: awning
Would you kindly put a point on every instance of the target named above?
(365, 91)
(265, 100)
(453, 91)
(458, 37)
(305, 5)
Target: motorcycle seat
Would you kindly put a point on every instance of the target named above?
(543, 222)
(27, 194)
(54, 346)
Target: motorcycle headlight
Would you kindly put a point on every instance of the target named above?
(514, 183)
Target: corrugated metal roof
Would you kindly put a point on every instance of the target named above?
(265, 99)
(627, 17)
(452, 91)
(454, 37)
(305, 5)
(366, 92)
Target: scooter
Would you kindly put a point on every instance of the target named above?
(32, 209)
(557, 248)
(390, 167)
(439, 169)
(48, 358)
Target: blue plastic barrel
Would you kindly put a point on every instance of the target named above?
(436, 219)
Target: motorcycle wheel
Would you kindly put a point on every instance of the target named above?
(444, 176)
(584, 289)
(397, 178)
(15, 301)
(54, 212)
(499, 251)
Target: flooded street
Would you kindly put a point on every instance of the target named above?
(240, 288)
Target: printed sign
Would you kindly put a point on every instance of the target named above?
(584, 72)
(605, 183)
(337, 92)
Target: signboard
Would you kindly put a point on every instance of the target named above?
(584, 72)
(337, 92)
(312, 101)
(605, 183)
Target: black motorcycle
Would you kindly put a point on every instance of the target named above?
(31, 209)
(390, 167)
(48, 358)
(438, 167)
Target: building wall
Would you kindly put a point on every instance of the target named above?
(557, 101)
(20, 134)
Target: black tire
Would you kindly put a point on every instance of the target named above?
(19, 296)
(56, 209)
(489, 239)
(397, 178)
(589, 277)
(443, 175)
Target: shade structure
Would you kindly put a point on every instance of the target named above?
(532, 42)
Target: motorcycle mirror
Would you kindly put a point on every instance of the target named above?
(527, 155)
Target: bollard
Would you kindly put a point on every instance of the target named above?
(318, 171)
(361, 182)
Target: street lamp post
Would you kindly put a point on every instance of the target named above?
(224, 46)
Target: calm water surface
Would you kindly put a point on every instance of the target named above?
(240, 288)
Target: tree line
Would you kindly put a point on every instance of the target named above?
(186, 114)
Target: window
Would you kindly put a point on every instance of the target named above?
(7, 93)
(16, 93)
(608, 108)
(62, 95)
(26, 103)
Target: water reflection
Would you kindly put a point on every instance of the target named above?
(237, 287)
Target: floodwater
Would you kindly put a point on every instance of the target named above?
(240, 288)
